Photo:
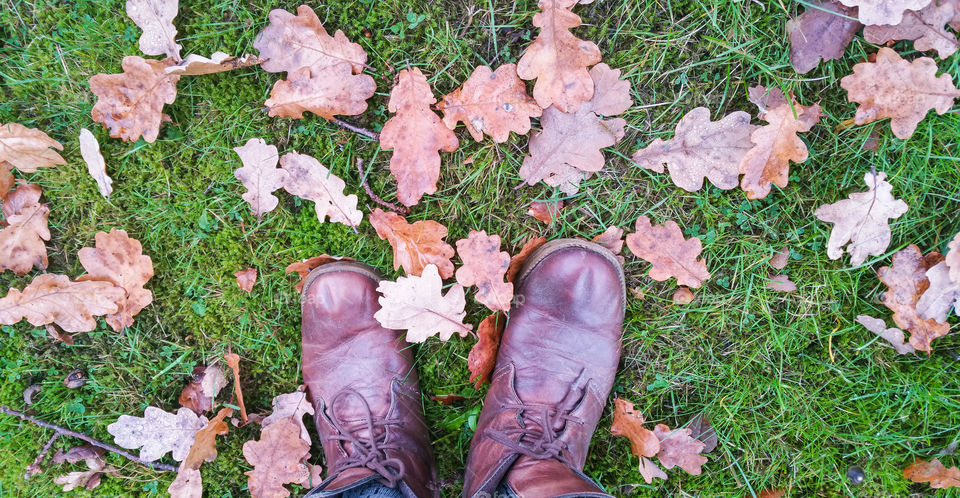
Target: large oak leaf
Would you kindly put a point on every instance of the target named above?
(484, 265)
(884, 11)
(158, 432)
(628, 422)
(418, 305)
(326, 91)
(291, 42)
(924, 27)
(310, 180)
(491, 102)
(131, 103)
(415, 245)
(277, 459)
(775, 145)
(119, 259)
(679, 449)
(934, 472)
(22, 246)
(155, 18)
(953, 258)
(823, 31)
(55, 299)
(943, 294)
(483, 354)
(663, 246)
(906, 281)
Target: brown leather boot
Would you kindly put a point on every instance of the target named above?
(556, 365)
(361, 381)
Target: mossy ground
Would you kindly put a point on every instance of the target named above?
(796, 390)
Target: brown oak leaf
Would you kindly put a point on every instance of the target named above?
(204, 447)
(518, 259)
(291, 42)
(326, 91)
(277, 459)
(766, 98)
(703, 431)
(823, 31)
(260, 175)
(775, 145)
(483, 354)
(933, 472)
(417, 135)
(558, 59)
(291, 406)
(884, 11)
(303, 267)
(246, 279)
(27, 149)
(205, 384)
(679, 449)
(88, 479)
(218, 62)
(545, 211)
(491, 102)
(485, 266)
(415, 245)
(188, 484)
(155, 18)
(310, 180)
(906, 281)
(22, 246)
(611, 238)
(863, 220)
(628, 422)
(55, 299)
(119, 259)
(663, 246)
(892, 335)
(925, 27)
(418, 305)
(943, 294)
(701, 149)
(953, 258)
(903, 91)
(131, 103)
(6, 182)
(781, 258)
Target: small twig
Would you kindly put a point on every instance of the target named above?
(356, 129)
(34, 468)
(63, 431)
(366, 187)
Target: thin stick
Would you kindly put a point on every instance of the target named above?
(34, 468)
(366, 187)
(83, 437)
(356, 129)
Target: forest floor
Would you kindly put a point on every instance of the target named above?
(797, 391)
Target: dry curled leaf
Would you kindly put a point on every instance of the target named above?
(414, 245)
(204, 447)
(775, 145)
(518, 259)
(942, 294)
(418, 305)
(233, 361)
(903, 91)
(682, 295)
(27, 149)
(96, 166)
(892, 335)
(277, 459)
(291, 406)
(701, 149)
(702, 430)
(89, 479)
(934, 472)
(485, 266)
(158, 432)
(906, 281)
(664, 247)
(884, 11)
(483, 354)
(545, 211)
(823, 31)
(326, 91)
(218, 62)
(417, 135)
(781, 258)
(155, 18)
(291, 42)
(679, 449)
(131, 103)
(246, 279)
(863, 220)
(260, 175)
(628, 422)
(558, 59)
(310, 180)
(781, 283)
(953, 258)
(611, 239)
(55, 299)
(205, 384)
(303, 268)
(22, 240)
(119, 259)
(925, 27)
(491, 102)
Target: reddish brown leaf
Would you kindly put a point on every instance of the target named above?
(55, 299)
(781, 283)
(771, 493)
(545, 211)
(291, 42)
(131, 103)
(775, 145)
(277, 459)
(491, 102)
(643, 442)
(884, 11)
(517, 261)
(246, 279)
(204, 448)
(326, 91)
(611, 238)
(682, 295)
(823, 31)
(6, 182)
(414, 245)
(27, 149)
(664, 247)
(933, 472)
(119, 259)
(206, 383)
(925, 27)
(22, 246)
(196, 65)
(416, 135)
(781, 258)
(303, 267)
(906, 280)
(484, 265)
(233, 361)
(483, 354)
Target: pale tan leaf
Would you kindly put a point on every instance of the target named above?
(158, 432)
(415, 245)
(766, 98)
(664, 247)
(260, 175)
(246, 279)
(188, 484)
(679, 449)
(131, 103)
(418, 305)
(22, 246)
(953, 258)
(196, 65)
(682, 295)
(892, 335)
(119, 259)
(823, 31)
(291, 406)
(291, 42)
(925, 27)
(781, 283)
(611, 238)
(27, 149)
(649, 470)
(96, 166)
(781, 258)
(485, 266)
(326, 91)
(277, 459)
(55, 299)
(943, 294)
(491, 102)
(310, 180)
(775, 145)
(155, 18)
(884, 11)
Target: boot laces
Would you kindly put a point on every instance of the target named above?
(366, 450)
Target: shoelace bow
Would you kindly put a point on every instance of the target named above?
(366, 451)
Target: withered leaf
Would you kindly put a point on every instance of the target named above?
(414, 245)
(900, 90)
(233, 361)
(518, 259)
(823, 31)
(483, 354)
(775, 145)
(933, 472)
(55, 299)
(906, 280)
(781, 283)
(246, 279)
(892, 335)
(310, 180)
(88, 479)
(628, 422)
(702, 430)
(701, 149)
(6, 181)
(862, 220)
(953, 258)
(188, 484)
(326, 91)
(196, 65)
(558, 59)
(302, 268)
(27, 149)
(291, 42)
(96, 166)
(117, 258)
(260, 175)
(22, 246)
(611, 239)
(204, 447)
(418, 305)
(291, 406)
(155, 18)
(925, 27)
(884, 11)
(766, 98)
(682, 295)
(664, 247)
(158, 432)
(679, 449)
(485, 266)
(277, 459)
(417, 135)
(943, 294)
(131, 103)
(206, 383)
(491, 102)
(545, 211)
(781, 258)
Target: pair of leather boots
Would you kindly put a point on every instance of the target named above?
(554, 370)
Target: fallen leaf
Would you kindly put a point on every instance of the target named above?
(131, 103)
(158, 432)
(558, 60)
(205, 384)
(416, 134)
(6, 181)
(312, 181)
(650, 470)
(518, 259)
(771, 493)
(291, 406)
(233, 361)
(781, 283)
(628, 422)
(933, 472)
(196, 65)
(701, 149)
(775, 145)
(682, 295)
(953, 258)
(766, 98)
(417, 305)
(204, 447)
(545, 211)
(75, 379)
(117, 258)
(664, 247)
(291, 42)
(447, 399)
(924, 27)
(679, 449)
(246, 279)
(326, 91)
(29, 393)
(483, 354)
(900, 90)
(485, 266)
(22, 240)
(884, 11)
(90, 478)
(892, 335)
(55, 299)
(57, 335)
(188, 484)
(781, 258)
(27, 149)
(701, 430)
(942, 294)
(260, 175)
(414, 245)
(611, 239)
(155, 18)
(906, 280)
(491, 102)
(823, 31)
(277, 459)
(304, 267)
(96, 166)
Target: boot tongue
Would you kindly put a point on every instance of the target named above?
(530, 477)
(354, 410)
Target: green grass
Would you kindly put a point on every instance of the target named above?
(796, 390)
